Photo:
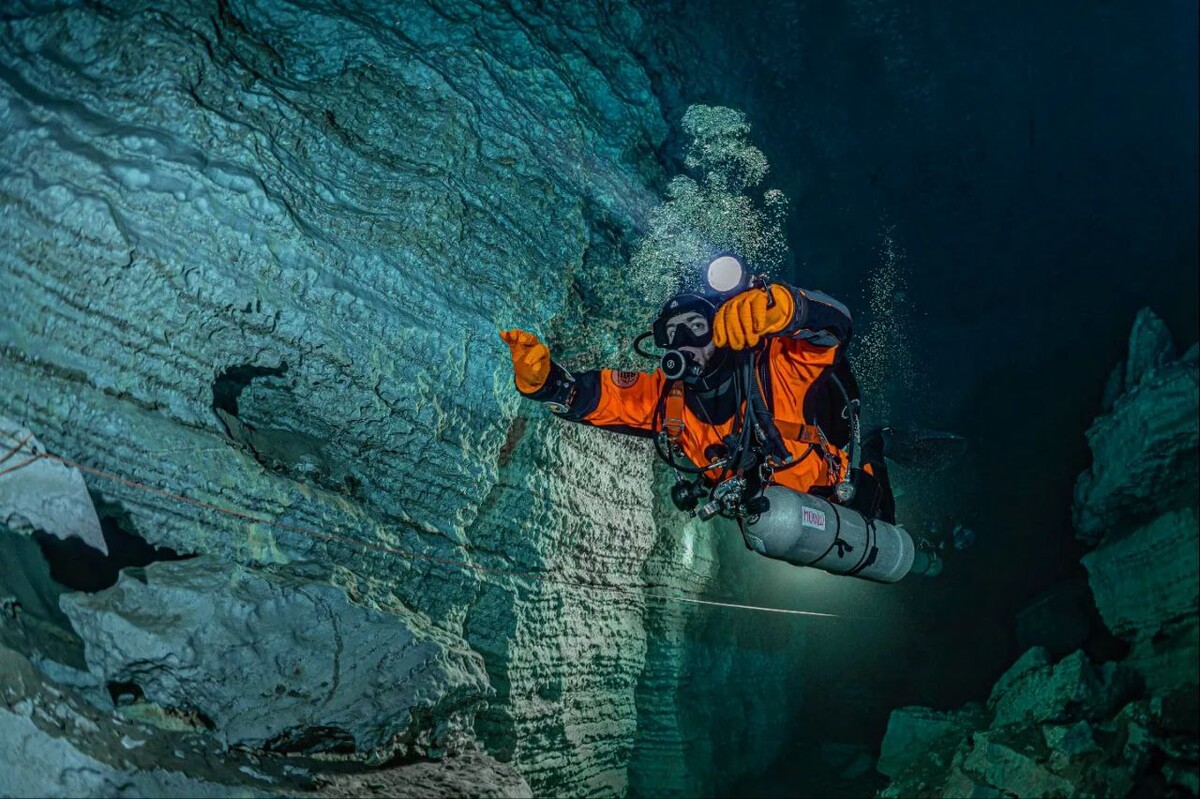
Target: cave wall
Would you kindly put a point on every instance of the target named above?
(1127, 726)
(256, 254)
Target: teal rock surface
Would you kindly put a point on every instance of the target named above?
(1072, 727)
(1138, 503)
(55, 743)
(1069, 728)
(1070, 689)
(278, 661)
(37, 494)
(1144, 451)
(52, 743)
(256, 256)
(913, 732)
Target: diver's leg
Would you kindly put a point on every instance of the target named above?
(874, 498)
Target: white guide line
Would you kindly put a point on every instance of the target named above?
(743, 607)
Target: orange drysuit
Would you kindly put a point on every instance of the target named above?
(796, 359)
(627, 402)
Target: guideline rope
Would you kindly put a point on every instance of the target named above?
(543, 577)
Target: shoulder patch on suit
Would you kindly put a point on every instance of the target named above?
(625, 379)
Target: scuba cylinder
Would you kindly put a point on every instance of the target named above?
(808, 531)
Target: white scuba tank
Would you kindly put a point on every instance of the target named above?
(808, 531)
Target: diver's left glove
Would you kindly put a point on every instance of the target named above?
(745, 319)
(531, 360)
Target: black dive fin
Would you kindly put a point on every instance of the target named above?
(922, 449)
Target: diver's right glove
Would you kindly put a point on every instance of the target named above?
(531, 360)
(747, 318)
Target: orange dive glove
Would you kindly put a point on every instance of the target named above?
(530, 357)
(743, 320)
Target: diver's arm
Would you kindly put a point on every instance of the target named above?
(620, 401)
(623, 402)
(818, 318)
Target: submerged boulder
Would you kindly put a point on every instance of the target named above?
(1055, 729)
(1071, 689)
(1012, 769)
(279, 661)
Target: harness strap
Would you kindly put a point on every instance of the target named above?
(673, 412)
(797, 431)
(872, 552)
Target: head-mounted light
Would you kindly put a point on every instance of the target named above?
(726, 274)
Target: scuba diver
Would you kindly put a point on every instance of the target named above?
(755, 390)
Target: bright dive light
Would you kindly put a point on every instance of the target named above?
(726, 274)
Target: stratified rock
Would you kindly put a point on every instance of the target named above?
(1144, 453)
(1147, 588)
(278, 661)
(54, 744)
(1069, 690)
(257, 253)
(468, 773)
(1138, 503)
(40, 494)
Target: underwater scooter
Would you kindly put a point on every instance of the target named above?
(775, 521)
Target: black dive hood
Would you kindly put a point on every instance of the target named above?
(685, 302)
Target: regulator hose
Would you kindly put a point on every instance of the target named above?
(855, 428)
(637, 346)
(764, 421)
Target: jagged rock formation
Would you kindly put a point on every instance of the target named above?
(1072, 728)
(53, 743)
(256, 254)
(1144, 449)
(1139, 502)
(1065, 729)
(39, 494)
(279, 661)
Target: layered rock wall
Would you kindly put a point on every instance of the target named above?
(256, 254)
